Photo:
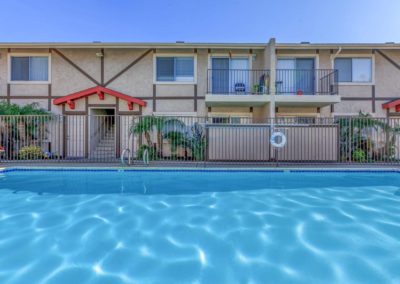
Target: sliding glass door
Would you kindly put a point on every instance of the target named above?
(230, 75)
(295, 75)
(220, 75)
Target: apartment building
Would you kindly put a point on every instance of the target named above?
(221, 81)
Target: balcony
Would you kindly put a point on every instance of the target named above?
(306, 82)
(238, 82)
(237, 87)
(306, 88)
(294, 87)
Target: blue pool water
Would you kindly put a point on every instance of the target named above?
(199, 227)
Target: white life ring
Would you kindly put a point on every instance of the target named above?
(273, 139)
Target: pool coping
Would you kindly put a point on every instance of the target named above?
(197, 169)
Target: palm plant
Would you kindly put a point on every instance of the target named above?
(148, 124)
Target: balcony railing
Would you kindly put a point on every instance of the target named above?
(238, 82)
(307, 82)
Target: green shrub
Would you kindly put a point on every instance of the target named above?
(359, 156)
(31, 153)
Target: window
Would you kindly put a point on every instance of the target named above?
(175, 69)
(30, 68)
(231, 119)
(354, 69)
(296, 120)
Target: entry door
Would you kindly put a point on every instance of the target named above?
(75, 136)
(220, 75)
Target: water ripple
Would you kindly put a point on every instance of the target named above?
(276, 234)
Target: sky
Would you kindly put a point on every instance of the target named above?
(356, 21)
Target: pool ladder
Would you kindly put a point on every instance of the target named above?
(129, 152)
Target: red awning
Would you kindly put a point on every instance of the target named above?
(393, 103)
(100, 91)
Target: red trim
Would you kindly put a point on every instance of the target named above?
(394, 103)
(71, 104)
(397, 108)
(100, 91)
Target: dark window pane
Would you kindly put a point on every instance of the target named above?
(19, 68)
(344, 67)
(165, 69)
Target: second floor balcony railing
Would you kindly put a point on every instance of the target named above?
(238, 82)
(306, 82)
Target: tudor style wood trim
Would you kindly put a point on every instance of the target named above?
(49, 97)
(75, 66)
(195, 97)
(130, 65)
(102, 67)
(373, 98)
(154, 97)
(388, 58)
(8, 96)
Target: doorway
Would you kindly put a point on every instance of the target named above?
(102, 133)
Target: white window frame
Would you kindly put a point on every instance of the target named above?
(194, 55)
(372, 56)
(9, 81)
(301, 56)
(226, 55)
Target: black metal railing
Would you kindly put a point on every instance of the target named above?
(238, 81)
(307, 82)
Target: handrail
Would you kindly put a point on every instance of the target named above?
(123, 155)
(146, 157)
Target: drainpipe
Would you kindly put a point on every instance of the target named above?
(337, 52)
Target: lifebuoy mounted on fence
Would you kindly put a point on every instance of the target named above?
(275, 136)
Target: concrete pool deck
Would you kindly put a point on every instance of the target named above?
(206, 166)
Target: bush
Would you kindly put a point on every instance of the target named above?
(31, 153)
(359, 156)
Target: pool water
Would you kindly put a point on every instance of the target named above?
(74, 226)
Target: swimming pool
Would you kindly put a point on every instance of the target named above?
(195, 226)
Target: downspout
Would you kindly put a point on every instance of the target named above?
(337, 52)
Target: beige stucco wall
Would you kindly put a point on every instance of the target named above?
(387, 76)
(3, 72)
(138, 81)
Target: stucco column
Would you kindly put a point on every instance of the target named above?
(272, 75)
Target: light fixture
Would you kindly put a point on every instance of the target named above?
(99, 54)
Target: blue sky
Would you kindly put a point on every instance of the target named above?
(200, 20)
